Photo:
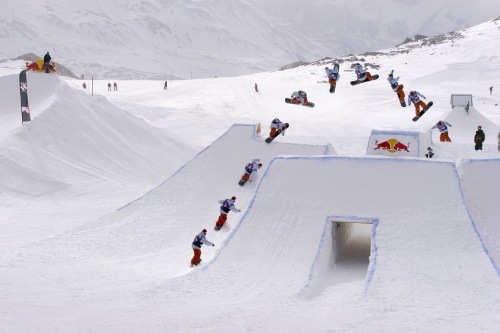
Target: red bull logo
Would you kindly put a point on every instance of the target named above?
(392, 146)
(39, 66)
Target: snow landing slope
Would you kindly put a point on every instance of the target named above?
(74, 144)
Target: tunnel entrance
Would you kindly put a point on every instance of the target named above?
(351, 248)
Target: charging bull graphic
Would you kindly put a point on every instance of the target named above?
(392, 146)
(38, 66)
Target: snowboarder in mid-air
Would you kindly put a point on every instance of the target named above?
(362, 75)
(300, 98)
(414, 97)
(198, 241)
(333, 76)
(250, 170)
(398, 88)
(277, 128)
(226, 206)
(442, 126)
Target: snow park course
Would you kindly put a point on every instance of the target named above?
(102, 196)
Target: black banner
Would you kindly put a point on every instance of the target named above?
(25, 109)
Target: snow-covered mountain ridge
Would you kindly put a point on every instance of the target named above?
(152, 39)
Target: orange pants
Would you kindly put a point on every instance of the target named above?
(418, 105)
(222, 219)
(443, 137)
(368, 76)
(296, 101)
(273, 132)
(196, 257)
(401, 93)
(246, 176)
(332, 82)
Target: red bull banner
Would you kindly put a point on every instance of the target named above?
(39, 66)
(398, 143)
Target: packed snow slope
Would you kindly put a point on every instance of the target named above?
(75, 149)
(324, 242)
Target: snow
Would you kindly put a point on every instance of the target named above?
(102, 195)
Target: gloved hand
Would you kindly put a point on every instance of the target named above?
(213, 244)
(239, 210)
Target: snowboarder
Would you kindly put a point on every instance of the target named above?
(165, 85)
(256, 88)
(109, 86)
(226, 206)
(361, 73)
(198, 241)
(277, 128)
(491, 90)
(442, 126)
(250, 170)
(333, 76)
(46, 62)
(398, 88)
(84, 85)
(115, 86)
(479, 138)
(414, 97)
(299, 97)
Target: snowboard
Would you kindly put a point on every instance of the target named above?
(268, 140)
(403, 103)
(192, 265)
(289, 101)
(374, 77)
(217, 228)
(242, 182)
(423, 111)
(332, 90)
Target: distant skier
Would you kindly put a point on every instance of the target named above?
(165, 85)
(398, 88)
(479, 138)
(415, 98)
(299, 97)
(115, 86)
(46, 62)
(361, 73)
(226, 206)
(84, 85)
(277, 128)
(109, 86)
(498, 137)
(198, 241)
(491, 90)
(333, 76)
(250, 171)
(442, 126)
(256, 88)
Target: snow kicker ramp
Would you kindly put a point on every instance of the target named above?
(419, 220)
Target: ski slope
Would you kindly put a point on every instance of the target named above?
(102, 196)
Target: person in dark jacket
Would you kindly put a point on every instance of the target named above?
(46, 62)
(479, 138)
(198, 241)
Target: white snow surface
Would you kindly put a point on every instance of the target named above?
(103, 193)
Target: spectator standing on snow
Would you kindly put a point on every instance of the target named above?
(479, 138)
(115, 86)
(491, 90)
(109, 86)
(165, 85)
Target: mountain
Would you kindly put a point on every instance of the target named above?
(207, 38)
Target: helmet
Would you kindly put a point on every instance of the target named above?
(357, 64)
(233, 198)
(412, 93)
(260, 165)
(276, 120)
(440, 122)
(204, 231)
(326, 68)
